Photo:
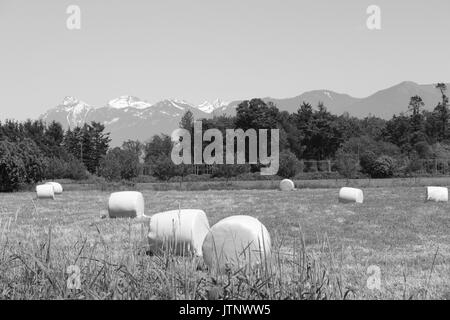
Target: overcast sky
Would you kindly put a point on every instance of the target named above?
(204, 49)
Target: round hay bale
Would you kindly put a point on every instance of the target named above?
(348, 195)
(179, 231)
(45, 191)
(437, 194)
(235, 242)
(126, 204)
(287, 185)
(56, 187)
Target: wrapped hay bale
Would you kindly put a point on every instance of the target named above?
(235, 242)
(347, 195)
(437, 194)
(126, 204)
(179, 231)
(45, 191)
(58, 189)
(287, 185)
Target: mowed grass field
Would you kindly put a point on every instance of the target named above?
(321, 248)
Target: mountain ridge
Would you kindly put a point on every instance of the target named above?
(129, 117)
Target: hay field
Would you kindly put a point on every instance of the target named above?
(322, 249)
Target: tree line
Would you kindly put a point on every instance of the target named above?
(368, 147)
(32, 151)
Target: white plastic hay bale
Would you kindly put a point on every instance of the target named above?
(287, 185)
(56, 187)
(236, 241)
(126, 204)
(437, 194)
(347, 195)
(45, 191)
(178, 231)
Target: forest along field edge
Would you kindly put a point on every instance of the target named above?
(314, 143)
(394, 230)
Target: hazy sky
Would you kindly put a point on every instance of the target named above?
(204, 49)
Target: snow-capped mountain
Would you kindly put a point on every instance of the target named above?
(210, 107)
(128, 102)
(129, 117)
(70, 113)
(126, 117)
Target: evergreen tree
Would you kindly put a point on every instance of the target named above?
(417, 127)
(89, 144)
(442, 113)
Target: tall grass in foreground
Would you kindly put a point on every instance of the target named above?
(35, 264)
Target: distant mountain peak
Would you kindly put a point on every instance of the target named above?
(408, 83)
(210, 107)
(129, 117)
(74, 103)
(71, 112)
(128, 102)
(69, 101)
